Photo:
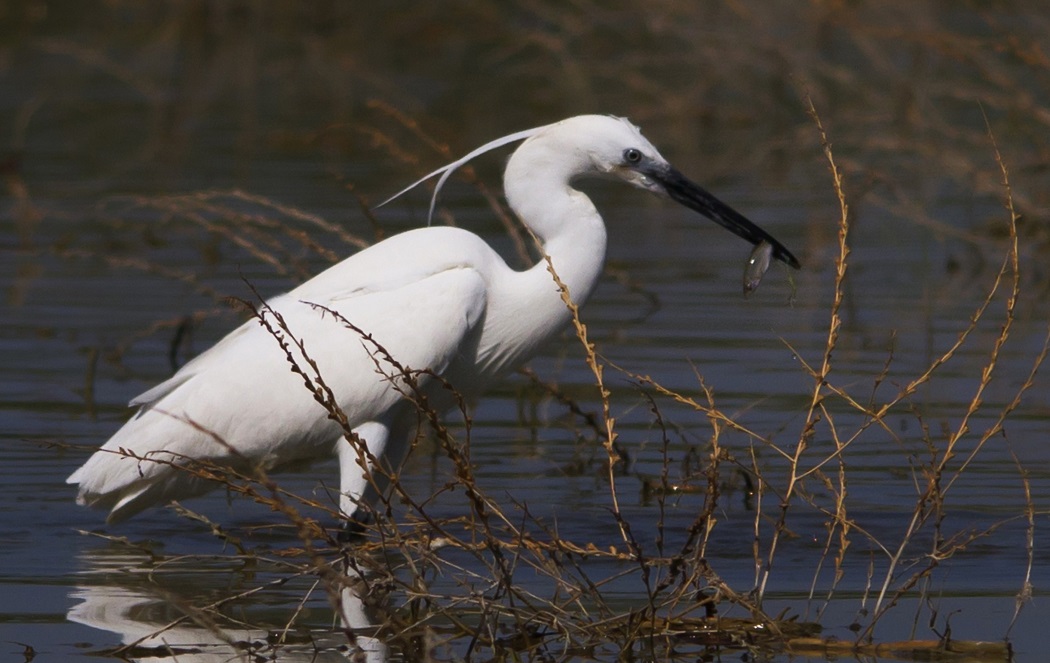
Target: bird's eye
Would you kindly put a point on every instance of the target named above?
(631, 155)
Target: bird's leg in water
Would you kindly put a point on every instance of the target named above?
(356, 479)
(353, 527)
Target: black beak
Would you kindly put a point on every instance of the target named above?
(695, 197)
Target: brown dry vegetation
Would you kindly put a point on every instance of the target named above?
(891, 101)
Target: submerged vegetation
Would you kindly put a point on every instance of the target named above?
(895, 105)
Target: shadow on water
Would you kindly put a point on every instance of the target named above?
(159, 158)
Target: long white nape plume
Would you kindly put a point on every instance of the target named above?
(446, 171)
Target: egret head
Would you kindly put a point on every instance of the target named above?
(611, 146)
(597, 145)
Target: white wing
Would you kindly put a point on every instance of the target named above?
(240, 403)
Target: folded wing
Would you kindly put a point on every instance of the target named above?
(242, 404)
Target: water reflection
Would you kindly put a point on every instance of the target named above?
(179, 612)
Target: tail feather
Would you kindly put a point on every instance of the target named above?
(126, 498)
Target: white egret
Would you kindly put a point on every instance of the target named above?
(435, 298)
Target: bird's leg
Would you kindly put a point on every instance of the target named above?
(357, 614)
(355, 472)
(360, 483)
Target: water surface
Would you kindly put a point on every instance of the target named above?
(152, 172)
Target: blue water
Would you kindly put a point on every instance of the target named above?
(99, 264)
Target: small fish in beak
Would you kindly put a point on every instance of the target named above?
(757, 264)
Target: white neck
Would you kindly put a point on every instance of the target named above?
(572, 235)
(537, 185)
